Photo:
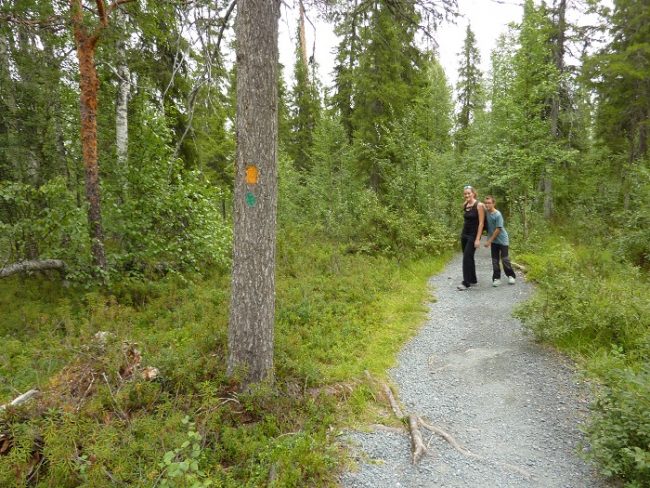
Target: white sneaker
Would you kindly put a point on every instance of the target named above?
(511, 280)
(462, 287)
(496, 282)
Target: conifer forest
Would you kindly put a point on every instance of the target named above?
(209, 260)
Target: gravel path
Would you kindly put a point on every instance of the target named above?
(472, 371)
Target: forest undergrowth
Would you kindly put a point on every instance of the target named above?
(99, 422)
(595, 306)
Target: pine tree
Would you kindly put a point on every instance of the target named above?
(252, 311)
(434, 108)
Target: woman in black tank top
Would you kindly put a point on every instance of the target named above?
(470, 237)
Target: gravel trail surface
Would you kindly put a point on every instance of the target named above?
(473, 372)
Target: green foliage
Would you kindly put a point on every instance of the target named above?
(338, 314)
(305, 109)
(633, 236)
(41, 222)
(470, 88)
(170, 218)
(587, 301)
(182, 464)
(333, 197)
(597, 307)
(619, 429)
(620, 73)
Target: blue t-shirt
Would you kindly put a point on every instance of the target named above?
(495, 221)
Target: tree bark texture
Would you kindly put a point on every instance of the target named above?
(88, 86)
(122, 120)
(252, 313)
(122, 115)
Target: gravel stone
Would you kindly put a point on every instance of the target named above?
(473, 371)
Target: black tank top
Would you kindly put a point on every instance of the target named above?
(470, 216)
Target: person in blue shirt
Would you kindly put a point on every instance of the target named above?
(498, 243)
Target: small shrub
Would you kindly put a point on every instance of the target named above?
(182, 465)
(619, 427)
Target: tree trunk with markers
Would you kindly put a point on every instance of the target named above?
(252, 312)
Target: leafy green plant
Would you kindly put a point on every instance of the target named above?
(42, 222)
(181, 465)
(619, 427)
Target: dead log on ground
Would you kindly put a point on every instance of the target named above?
(37, 265)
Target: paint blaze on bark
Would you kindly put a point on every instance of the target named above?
(252, 175)
(252, 311)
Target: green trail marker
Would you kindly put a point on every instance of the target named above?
(250, 199)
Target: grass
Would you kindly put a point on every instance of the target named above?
(338, 315)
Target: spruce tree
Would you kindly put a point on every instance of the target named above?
(305, 108)
(387, 81)
(471, 99)
(620, 74)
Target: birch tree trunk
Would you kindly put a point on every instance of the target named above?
(252, 312)
(122, 114)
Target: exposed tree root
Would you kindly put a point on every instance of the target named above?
(419, 449)
(454, 443)
(448, 437)
(417, 443)
(393, 403)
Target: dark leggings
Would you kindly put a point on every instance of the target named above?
(499, 252)
(469, 267)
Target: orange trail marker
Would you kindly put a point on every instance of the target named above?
(252, 174)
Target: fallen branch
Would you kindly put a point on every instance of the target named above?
(419, 449)
(21, 399)
(36, 265)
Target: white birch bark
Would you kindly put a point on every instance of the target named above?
(122, 110)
